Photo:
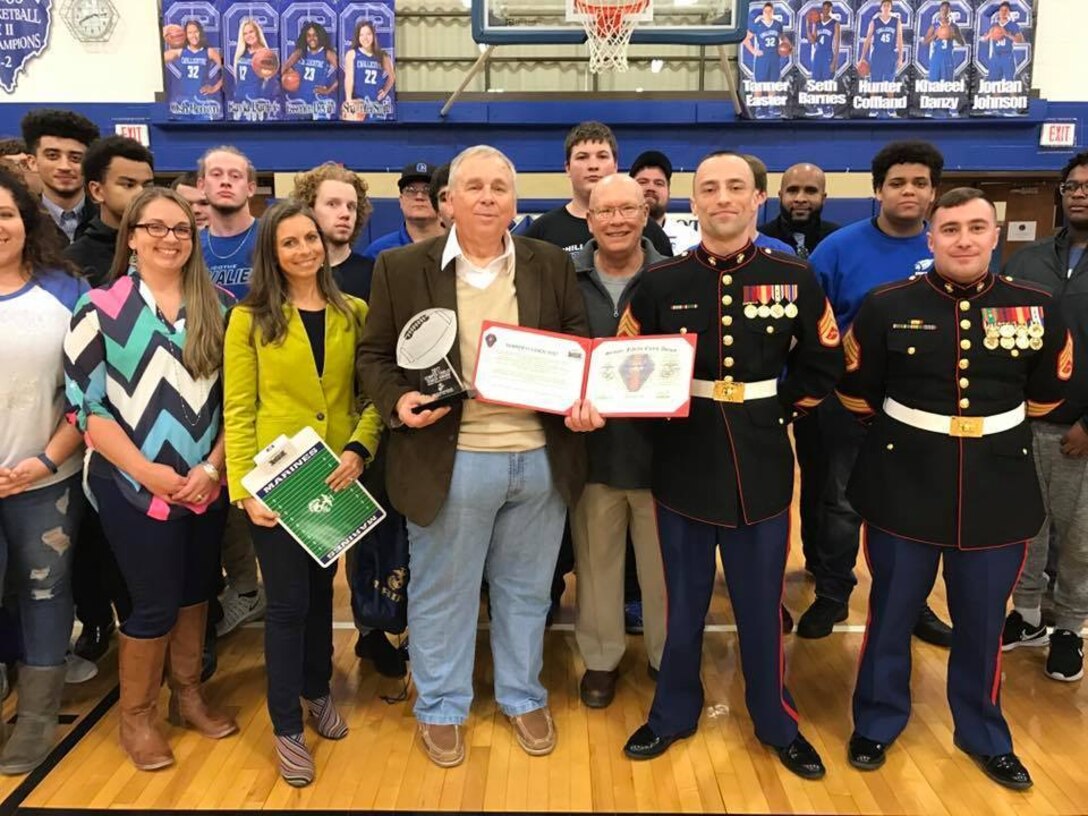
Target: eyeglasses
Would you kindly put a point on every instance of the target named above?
(415, 190)
(1073, 187)
(183, 232)
(627, 211)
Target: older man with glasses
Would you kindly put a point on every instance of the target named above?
(420, 217)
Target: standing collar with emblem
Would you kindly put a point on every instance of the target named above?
(708, 258)
(952, 289)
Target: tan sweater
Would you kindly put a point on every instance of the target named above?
(484, 427)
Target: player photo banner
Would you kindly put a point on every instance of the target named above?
(367, 61)
(1003, 54)
(944, 36)
(825, 42)
(883, 51)
(766, 60)
(251, 48)
(192, 60)
(310, 76)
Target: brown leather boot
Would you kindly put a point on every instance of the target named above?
(187, 703)
(141, 661)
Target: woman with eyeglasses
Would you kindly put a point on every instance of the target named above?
(40, 497)
(142, 367)
(289, 363)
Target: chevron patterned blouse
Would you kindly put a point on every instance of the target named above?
(123, 361)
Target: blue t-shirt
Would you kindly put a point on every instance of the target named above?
(230, 259)
(1075, 254)
(391, 240)
(767, 241)
(851, 261)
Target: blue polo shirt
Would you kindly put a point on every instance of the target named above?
(852, 260)
(391, 240)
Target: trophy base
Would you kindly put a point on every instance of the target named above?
(441, 402)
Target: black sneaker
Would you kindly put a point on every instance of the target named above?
(94, 641)
(1066, 658)
(1018, 632)
(820, 618)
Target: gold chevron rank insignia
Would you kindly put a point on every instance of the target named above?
(628, 327)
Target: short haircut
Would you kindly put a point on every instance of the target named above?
(1079, 160)
(308, 183)
(910, 152)
(716, 153)
(12, 146)
(959, 196)
(234, 151)
(481, 150)
(184, 180)
(759, 171)
(769, 5)
(591, 132)
(62, 124)
(99, 155)
(1004, 6)
(440, 179)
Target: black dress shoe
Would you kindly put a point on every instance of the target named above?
(820, 618)
(387, 658)
(865, 754)
(598, 688)
(645, 744)
(1004, 769)
(94, 641)
(802, 759)
(932, 629)
(787, 621)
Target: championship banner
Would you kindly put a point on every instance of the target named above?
(944, 34)
(1003, 57)
(311, 70)
(825, 41)
(251, 46)
(766, 59)
(24, 34)
(883, 52)
(192, 59)
(367, 71)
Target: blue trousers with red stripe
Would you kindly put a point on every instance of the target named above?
(978, 584)
(754, 559)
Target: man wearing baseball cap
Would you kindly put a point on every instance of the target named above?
(653, 171)
(420, 219)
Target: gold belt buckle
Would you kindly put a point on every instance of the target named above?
(728, 391)
(970, 427)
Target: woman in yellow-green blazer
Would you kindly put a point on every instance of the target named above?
(289, 362)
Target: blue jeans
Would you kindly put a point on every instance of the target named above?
(503, 518)
(37, 532)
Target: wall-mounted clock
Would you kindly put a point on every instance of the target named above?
(90, 21)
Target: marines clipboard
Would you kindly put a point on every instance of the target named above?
(289, 479)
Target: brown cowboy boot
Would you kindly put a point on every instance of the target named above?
(141, 661)
(187, 703)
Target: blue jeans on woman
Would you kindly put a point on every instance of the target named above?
(37, 538)
(502, 518)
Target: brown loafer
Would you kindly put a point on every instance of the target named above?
(598, 688)
(535, 731)
(443, 743)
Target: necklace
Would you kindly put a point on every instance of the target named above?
(241, 243)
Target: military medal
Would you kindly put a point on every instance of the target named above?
(750, 311)
(991, 343)
(1022, 341)
(791, 310)
(778, 311)
(1035, 343)
(1008, 343)
(1035, 330)
(764, 310)
(1006, 330)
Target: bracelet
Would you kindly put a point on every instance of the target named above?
(211, 470)
(50, 465)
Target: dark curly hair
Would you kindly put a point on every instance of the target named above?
(63, 124)
(99, 156)
(1079, 160)
(42, 250)
(910, 152)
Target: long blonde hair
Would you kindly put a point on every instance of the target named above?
(241, 49)
(204, 322)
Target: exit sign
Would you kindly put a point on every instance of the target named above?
(141, 133)
(1058, 134)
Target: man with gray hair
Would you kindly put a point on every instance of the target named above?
(617, 497)
(482, 486)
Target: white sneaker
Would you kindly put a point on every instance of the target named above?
(239, 609)
(78, 670)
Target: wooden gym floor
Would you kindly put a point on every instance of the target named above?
(723, 768)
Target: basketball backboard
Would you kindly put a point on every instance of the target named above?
(547, 22)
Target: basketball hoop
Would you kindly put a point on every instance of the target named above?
(609, 25)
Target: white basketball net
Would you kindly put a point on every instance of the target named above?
(609, 25)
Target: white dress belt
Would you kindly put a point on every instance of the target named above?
(955, 425)
(729, 391)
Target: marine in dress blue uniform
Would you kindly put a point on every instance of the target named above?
(768, 351)
(945, 369)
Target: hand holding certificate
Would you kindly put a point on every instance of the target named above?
(620, 376)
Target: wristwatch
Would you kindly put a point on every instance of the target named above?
(211, 470)
(50, 465)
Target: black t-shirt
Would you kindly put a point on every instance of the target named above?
(564, 230)
(314, 322)
(354, 275)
